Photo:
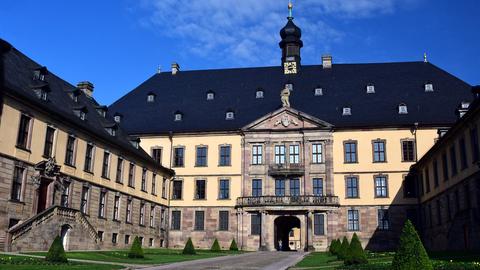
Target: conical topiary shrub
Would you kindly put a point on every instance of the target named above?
(189, 249)
(410, 253)
(233, 246)
(343, 249)
(355, 254)
(215, 246)
(136, 251)
(56, 253)
(334, 246)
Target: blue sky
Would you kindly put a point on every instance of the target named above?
(119, 44)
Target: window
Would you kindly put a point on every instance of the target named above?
(142, 214)
(383, 220)
(127, 239)
(200, 186)
(70, 152)
(402, 109)
(113, 132)
(319, 224)
(177, 190)
(114, 238)
(162, 217)
(381, 187)
(445, 166)
(101, 204)
(474, 144)
(178, 156)
(128, 214)
(294, 154)
(176, 218)
(80, 113)
(199, 221)
(256, 224)
(257, 187)
(106, 165)
(463, 154)
(352, 187)
(229, 115)
(318, 91)
(210, 95)
(317, 153)
(224, 192)
(178, 116)
(346, 111)
(259, 94)
(23, 132)
(150, 97)
(370, 89)
(144, 180)
(223, 220)
(152, 216)
(353, 221)
(100, 235)
(39, 74)
(294, 187)
(408, 151)
(279, 187)
(318, 186)
(157, 155)
(84, 200)
(279, 154)
(150, 242)
(428, 87)
(453, 160)
(435, 173)
(225, 151)
(116, 208)
(119, 176)
(88, 166)
(64, 199)
(379, 151)
(18, 176)
(154, 184)
(350, 149)
(257, 154)
(49, 137)
(164, 188)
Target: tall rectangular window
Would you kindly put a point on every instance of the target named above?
(408, 151)
(64, 200)
(279, 187)
(116, 208)
(257, 154)
(445, 167)
(152, 216)
(200, 189)
(18, 176)
(119, 175)
(88, 166)
(177, 190)
(294, 154)
(256, 224)
(318, 186)
(257, 187)
(223, 218)
(144, 180)
(379, 151)
(453, 160)
(164, 188)
(23, 132)
(84, 200)
(201, 160)
(49, 138)
(70, 152)
(154, 184)
(142, 214)
(435, 173)
(101, 204)
(176, 219)
(199, 221)
(353, 220)
(383, 220)
(225, 153)
(294, 187)
(350, 149)
(352, 187)
(319, 224)
(381, 186)
(128, 214)
(474, 144)
(157, 155)
(106, 165)
(279, 154)
(224, 189)
(317, 153)
(463, 154)
(178, 157)
(131, 175)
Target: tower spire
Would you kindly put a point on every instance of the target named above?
(290, 9)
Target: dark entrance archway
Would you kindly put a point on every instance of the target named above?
(283, 226)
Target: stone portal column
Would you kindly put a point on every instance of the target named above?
(263, 231)
(309, 224)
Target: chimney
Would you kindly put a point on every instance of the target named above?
(175, 68)
(327, 61)
(86, 87)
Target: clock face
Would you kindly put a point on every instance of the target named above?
(290, 67)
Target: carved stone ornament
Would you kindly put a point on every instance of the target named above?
(286, 121)
(36, 180)
(51, 168)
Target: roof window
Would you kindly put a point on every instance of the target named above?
(347, 111)
(178, 116)
(370, 89)
(428, 87)
(259, 93)
(318, 91)
(229, 115)
(402, 109)
(39, 74)
(150, 97)
(210, 95)
(81, 112)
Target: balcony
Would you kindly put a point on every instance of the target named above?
(302, 200)
(287, 169)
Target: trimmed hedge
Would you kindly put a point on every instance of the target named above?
(411, 254)
(343, 249)
(233, 246)
(56, 253)
(136, 251)
(355, 254)
(215, 246)
(334, 246)
(189, 249)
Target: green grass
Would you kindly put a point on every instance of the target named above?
(152, 256)
(8, 262)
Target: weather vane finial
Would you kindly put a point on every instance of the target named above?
(290, 8)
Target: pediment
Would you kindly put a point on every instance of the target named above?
(287, 118)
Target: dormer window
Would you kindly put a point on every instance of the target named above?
(229, 115)
(178, 116)
(463, 108)
(210, 95)
(151, 97)
(259, 93)
(41, 93)
(135, 142)
(102, 110)
(289, 86)
(81, 112)
(75, 94)
(347, 111)
(318, 91)
(39, 74)
(117, 118)
(370, 89)
(111, 129)
(428, 87)
(402, 109)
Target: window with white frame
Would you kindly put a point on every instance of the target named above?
(151, 97)
(317, 150)
(257, 154)
(259, 93)
(279, 154)
(428, 87)
(346, 111)
(294, 154)
(178, 116)
(370, 89)
(210, 95)
(402, 109)
(229, 115)
(318, 91)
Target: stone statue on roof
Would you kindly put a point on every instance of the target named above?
(284, 96)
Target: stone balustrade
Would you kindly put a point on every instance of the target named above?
(301, 200)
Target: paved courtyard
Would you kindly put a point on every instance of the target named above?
(252, 260)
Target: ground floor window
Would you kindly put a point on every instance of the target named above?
(176, 218)
(319, 224)
(256, 224)
(223, 220)
(199, 220)
(353, 220)
(383, 220)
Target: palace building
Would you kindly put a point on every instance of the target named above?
(326, 157)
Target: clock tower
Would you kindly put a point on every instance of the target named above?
(290, 45)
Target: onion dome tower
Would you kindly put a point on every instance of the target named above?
(290, 44)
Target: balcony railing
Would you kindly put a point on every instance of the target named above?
(302, 200)
(286, 169)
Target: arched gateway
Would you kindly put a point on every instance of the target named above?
(287, 233)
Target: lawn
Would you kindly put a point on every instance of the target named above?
(8, 262)
(152, 256)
